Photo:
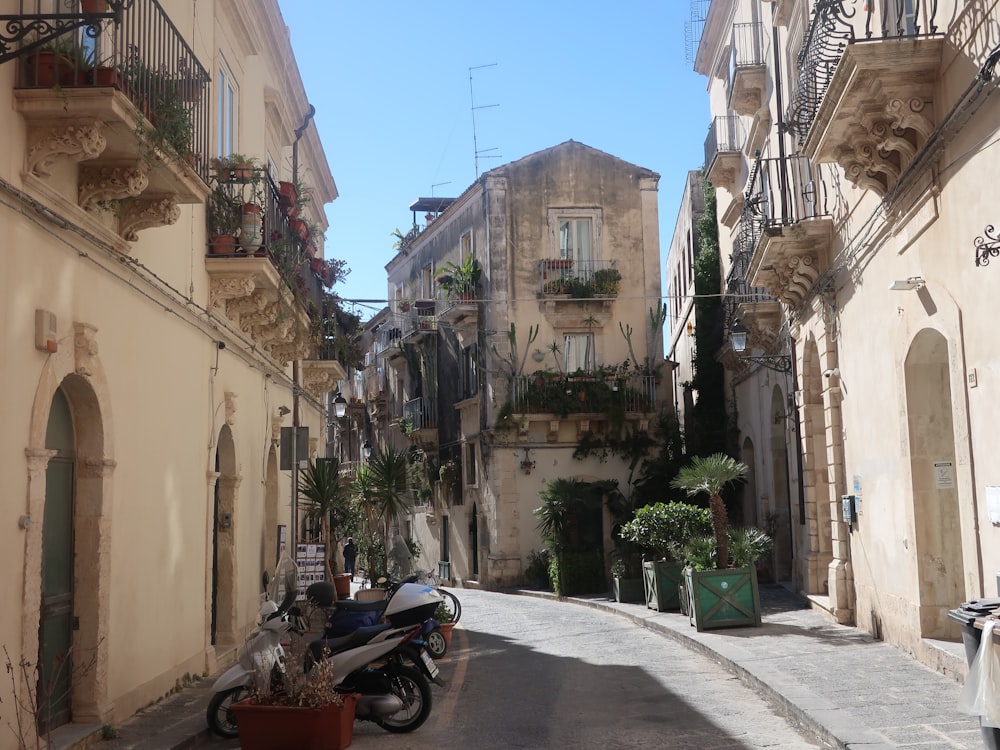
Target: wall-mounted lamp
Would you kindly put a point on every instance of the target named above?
(526, 463)
(908, 284)
(538, 355)
(738, 338)
(339, 406)
(283, 410)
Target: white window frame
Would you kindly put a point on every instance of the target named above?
(556, 218)
(227, 111)
(578, 352)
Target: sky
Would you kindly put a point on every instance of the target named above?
(407, 94)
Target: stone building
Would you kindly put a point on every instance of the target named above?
(538, 341)
(146, 380)
(850, 145)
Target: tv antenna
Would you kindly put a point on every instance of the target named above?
(475, 144)
(438, 184)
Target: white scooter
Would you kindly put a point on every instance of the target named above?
(375, 661)
(263, 651)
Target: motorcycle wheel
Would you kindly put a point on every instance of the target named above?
(436, 644)
(411, 687)
(220, 719)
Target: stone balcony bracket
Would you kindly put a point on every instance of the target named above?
(878, 110)
(749, 85)
(789, 260)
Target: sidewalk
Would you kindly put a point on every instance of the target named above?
(850, 689)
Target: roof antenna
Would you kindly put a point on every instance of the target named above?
(472, 98)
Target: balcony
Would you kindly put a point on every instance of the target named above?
(389, 337)
(746, 77)
(754, 306)
(786, 227)
(129, 105)
(321, 374)
(460, 313)
(578, 292)
(724, 152)
(864, 96)
(419, 420)
(269, 285)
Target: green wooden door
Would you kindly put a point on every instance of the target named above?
(55, 633)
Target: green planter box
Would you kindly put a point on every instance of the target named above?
(628, 589)
(660, 581)
(722, 598)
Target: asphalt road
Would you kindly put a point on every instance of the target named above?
(530, 673)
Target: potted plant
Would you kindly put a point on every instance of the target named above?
(626, 576)
(234, 168)
(460, 280)
(224, 214)
(661, 530)
(295, 708)
(720, 592)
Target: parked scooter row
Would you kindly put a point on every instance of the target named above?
(387, 664)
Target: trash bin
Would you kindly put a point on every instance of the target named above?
(966, 616)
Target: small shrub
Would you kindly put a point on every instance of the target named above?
(537, 571)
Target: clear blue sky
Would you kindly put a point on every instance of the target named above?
(390, 83)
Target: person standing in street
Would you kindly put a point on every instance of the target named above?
(350, 554)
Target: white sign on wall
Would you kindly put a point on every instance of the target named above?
(944, 475)
(993, 504)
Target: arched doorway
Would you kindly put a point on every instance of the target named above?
(777, 518)
(269, 554)
(55, 630)
(936, 511)
(749, 504)
(223, 604)
(815, 479)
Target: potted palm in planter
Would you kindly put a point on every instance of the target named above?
(626, 577)
(721, 589)
(661, 530)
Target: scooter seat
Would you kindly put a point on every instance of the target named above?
(349, 605)
(324, 647)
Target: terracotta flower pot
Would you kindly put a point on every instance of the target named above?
(264, 727)
(342, 584)
(222, 244)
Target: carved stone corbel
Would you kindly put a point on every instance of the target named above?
(85, 348)
(230, 408)
(239, 293)
(145, 213)
(75, 142)
(110, 183)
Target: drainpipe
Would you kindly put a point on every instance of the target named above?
(295, 365)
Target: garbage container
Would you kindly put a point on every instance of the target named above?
(966, 616)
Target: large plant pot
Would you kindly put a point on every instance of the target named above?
(282, 727)
(660, 580)
(723, 598)
(628, 590)
(342, 584)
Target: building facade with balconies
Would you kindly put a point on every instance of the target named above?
(850, 143)
(147, 378)
(518, 332)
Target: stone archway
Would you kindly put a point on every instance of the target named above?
(776, 518)
(78, 371)
(269, 538)
(936, 509)
(750, 503)
(224, 526)
(819, 548)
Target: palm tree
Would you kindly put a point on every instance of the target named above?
(710, 475)
(325, 497)
(382, 488)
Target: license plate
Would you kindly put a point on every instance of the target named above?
(429, 663)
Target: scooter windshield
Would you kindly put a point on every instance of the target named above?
(282, 588)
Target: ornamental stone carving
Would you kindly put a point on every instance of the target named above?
(230, 288)
(77, 142)
(84, 348)
(99, 184)
(144, 213)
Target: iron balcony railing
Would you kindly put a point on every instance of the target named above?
(390, 335)
(738, 288)
(420, 413)
(579, 278)
(725, 135)
(746, 50)
(553, 393)
(782, 192)
(836, 24)
(145, 57)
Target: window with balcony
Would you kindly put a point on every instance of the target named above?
(470, 464)
(470, 372)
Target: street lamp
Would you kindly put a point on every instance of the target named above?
(738, 338)
(339, 406)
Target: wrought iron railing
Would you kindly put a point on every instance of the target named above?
(553, 393)
(832, 27)
(146, 58)
(390, 335)
(420, 413)
(579, 278)
(725, 135)
(782, 192)
(746, 50)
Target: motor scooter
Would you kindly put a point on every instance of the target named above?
(264, 651)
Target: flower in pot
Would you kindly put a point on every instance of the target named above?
(460, 279)
(626, 574)
(234, 168)
(224, 214)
